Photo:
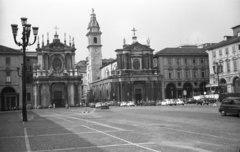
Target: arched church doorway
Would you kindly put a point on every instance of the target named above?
(189, 89)
(171, 91)
(139, 91)
(202, 88)
(59, 94)
(223, 85)
(236, 85)
(9, 99)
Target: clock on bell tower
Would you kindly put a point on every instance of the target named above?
(94, 49)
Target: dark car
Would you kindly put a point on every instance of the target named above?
(191, 101)
(211, 100)
(230, 105)
(202, 102)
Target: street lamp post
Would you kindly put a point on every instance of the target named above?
(217, 69)
(25, 42)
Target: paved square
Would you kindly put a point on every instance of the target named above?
(119, 129)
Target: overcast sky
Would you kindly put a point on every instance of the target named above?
(168, 23)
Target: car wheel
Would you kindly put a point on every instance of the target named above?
(223, 113)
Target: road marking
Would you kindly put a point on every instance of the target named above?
(75, 133)
(199, 133)
(92, 147)
(131, 143)
(89, 121)
(61, 119)
(27, 140)
(150, 125)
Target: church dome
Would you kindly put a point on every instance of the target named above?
(93, 22)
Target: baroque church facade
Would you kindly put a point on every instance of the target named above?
(131, 77)
(56, 79)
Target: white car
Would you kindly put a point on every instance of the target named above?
(123, 104)
(164, 102)
(130, 103)
(180, 102)
(98, 105)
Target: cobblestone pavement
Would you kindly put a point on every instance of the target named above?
(121, 129)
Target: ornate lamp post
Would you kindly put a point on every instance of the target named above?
(217, 69)
(25, 42)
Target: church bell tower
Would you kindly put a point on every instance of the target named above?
(94, 49)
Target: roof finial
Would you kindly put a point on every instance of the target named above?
(38, 42)
(124, 41)
(73, 42)
(134, 30)
(69, 40)
(47, 38)
(92, 10)
(134, 38)
(148, 41)
(65, 38)
(42, 40)
(56, 28)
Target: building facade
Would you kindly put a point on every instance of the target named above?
(56, 79)
(10, 80)
(227, 54)
(184, 70)
(131, 77)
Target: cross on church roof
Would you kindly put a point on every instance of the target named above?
(56, 28)
(134, 30)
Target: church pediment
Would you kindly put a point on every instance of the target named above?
(137, 47)
(56, 46)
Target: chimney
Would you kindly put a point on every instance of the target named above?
(236, 30)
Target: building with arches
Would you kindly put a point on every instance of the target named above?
(184, 70)
(131, 77)
(10, 82)
(56, 77)
(226, 53)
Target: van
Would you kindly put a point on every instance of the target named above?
(230, 105)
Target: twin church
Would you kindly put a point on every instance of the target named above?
(129, 77)
(54, 77)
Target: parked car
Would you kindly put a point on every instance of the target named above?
(149, 103)
(98, 105)
(104, 105)
(230, 105)
(130, 103)
(211, 100)
(164, 102)
(191, 101)
(179, 102)
(202, 102)
(92, 105)
(172, 102)
(123, 104)
(158, 102)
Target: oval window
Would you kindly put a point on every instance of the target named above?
(57, 64)
(136, 64)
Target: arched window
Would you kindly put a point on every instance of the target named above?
(95, 40)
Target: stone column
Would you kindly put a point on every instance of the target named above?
(79, 93)
(163, 89)
(50, 93)
(146, 90)
(66, 94)
(71, 94)
(39, 95)
(35, 92)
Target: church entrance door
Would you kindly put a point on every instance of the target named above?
(138, 95)
(58, 99)
(59, 94)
